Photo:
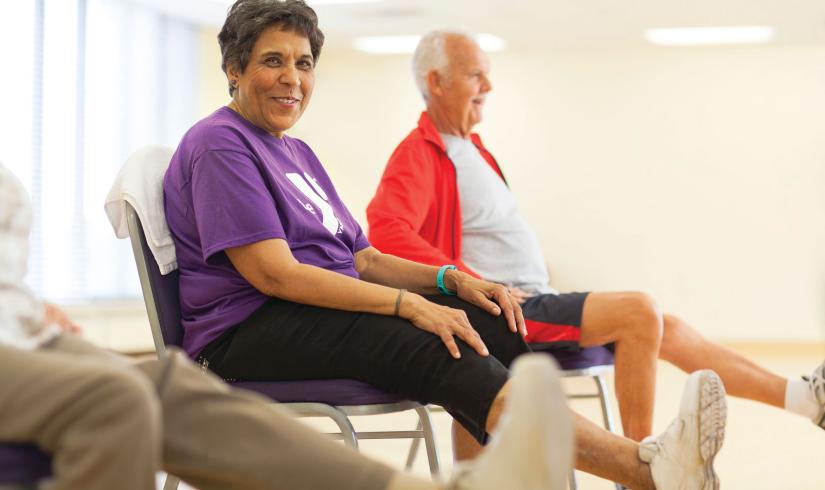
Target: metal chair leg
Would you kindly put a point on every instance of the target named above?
(171, 482)
(604, 399)
(342, 421)
(413, 453)
(573, 483)
(425, 423)
(607, 412)
(347, 430)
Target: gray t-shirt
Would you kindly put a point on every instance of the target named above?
(497, 241)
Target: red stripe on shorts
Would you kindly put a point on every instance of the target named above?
(541, 332)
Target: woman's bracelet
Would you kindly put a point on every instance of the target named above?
(401, 293)
(439, 280)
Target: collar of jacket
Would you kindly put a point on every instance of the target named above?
(431, 134)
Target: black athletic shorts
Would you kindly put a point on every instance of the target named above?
(554, 320)
(283, 340)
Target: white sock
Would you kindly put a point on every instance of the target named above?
(799, 399)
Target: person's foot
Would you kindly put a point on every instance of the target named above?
(681, 458)
(816, 382)
(532, 447)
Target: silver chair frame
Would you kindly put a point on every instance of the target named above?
(338, 413)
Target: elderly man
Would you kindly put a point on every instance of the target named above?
(443, 199)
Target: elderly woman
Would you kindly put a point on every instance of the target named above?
(278, 281)
(109, 423)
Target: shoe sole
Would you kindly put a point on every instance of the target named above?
(712, 417)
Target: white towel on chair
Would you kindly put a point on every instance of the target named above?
(140, 183)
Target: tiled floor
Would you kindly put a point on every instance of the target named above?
(765, 448)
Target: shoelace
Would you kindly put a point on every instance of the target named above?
(817, 383)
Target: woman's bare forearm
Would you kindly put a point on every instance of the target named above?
(315, 286)
(271, 268)
(392, 271)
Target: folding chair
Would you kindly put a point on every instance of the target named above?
(23, 466)
(337, 399)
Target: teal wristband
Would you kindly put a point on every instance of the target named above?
(439, 280)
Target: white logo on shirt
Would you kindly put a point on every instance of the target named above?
(319, 198)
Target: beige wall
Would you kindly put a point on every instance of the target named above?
(696, 175)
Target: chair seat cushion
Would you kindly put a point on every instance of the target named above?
(23, 464)
(583, 358)
(340, 392)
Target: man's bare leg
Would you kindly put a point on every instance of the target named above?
(687, 349)
(682, 455)
(610, 456)
(634, 323)
(597, 451)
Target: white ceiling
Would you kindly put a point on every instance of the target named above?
(542, 23)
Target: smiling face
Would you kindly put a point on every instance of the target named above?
(456, 97)
(275, 88)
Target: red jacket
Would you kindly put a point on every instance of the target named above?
(416, 213)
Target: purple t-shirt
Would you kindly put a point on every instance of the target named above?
(230, 183)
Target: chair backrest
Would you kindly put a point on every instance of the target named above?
(160, 293)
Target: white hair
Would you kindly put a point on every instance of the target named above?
(431, 54)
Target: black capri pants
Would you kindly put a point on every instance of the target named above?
(286, 341)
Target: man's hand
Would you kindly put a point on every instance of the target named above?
(55, 316)
(491, 297)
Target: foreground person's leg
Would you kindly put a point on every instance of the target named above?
(217, 437)
(99, 419)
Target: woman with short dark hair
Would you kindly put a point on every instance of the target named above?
(278, 281)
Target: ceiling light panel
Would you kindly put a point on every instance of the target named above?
(407, 44)
(706, 36)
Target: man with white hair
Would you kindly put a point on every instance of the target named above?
(443, 199)
(111, 424)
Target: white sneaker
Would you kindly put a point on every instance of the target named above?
(816, 382)
(532, 447)
(681, 458)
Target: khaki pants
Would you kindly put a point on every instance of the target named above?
(111, 424)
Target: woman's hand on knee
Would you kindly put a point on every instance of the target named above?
(443, 321)
(494, 299)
